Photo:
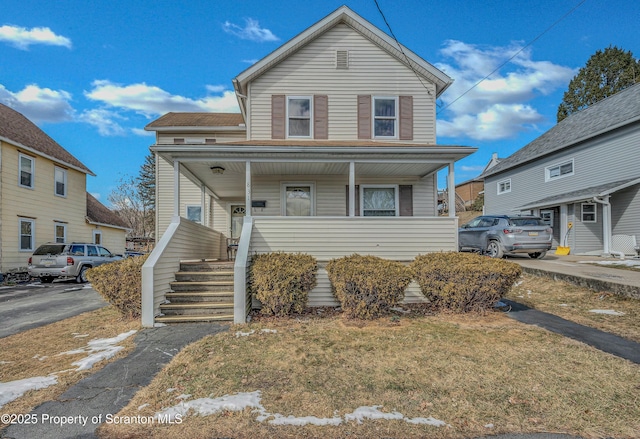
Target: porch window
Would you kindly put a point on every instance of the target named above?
(559, 170)
(385, 112)
(298, 199)
(299, 116)
(194, 213)
(379, 201)
(504, 186)
(588, 213)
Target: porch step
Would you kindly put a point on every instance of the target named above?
(204, 276)
(196, 308)
(206, 265)
(200, 296)
(211, 286)
(195, 318)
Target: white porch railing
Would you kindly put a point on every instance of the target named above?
(182, 240)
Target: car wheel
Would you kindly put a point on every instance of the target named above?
(538, 255)
(82, 276)
(46, 279)
(494, 250)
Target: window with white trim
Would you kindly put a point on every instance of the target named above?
(558, 170)
(588, 212)
(194, 213)
(385, 117)
(504, 186)
(299, 116)
(298, 199)
(26, 171)
(379, 200)
(60, 177)
(27, 234)
(60, 232)
(97, 239)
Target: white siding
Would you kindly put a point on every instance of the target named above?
(372, 71)
(400, 239)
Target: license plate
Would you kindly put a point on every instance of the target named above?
(533, 233)
(48, 262)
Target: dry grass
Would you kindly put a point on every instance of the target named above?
(573, 303)
(36, 352)
(469, 371)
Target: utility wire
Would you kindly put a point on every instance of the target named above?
(509, 60)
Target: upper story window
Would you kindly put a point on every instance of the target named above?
(504, 186)
(299, 116)
(558, 170)
(60, 176)
(385, 117)
(26, 171)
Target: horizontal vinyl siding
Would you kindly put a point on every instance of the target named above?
(311, 71)
(625, 212)
(168, 138)
(39, 204)
(400, 239)
(596, 162)
(587, 236)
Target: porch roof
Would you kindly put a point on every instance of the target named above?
(582, 194)
(297, 158)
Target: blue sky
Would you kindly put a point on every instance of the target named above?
(93, 73)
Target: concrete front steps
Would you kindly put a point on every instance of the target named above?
(202, 292)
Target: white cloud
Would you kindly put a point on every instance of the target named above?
(22, 37)
(215, 88)
(151, 100)
(39, 104)
(251, 31)
(105, 121)
(498, 107)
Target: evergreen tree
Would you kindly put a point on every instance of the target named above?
(147, 181)
(607, 72)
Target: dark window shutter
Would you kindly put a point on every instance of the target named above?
(406, 118)
(321, 117)
(364, 117)
(406, 200)
(278, 116)
(357, 200)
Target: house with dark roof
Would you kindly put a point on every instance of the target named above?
(43, 196)
(582, 176)
(333, 153)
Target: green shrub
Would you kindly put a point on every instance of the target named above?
(464, 282)
(367, 286)
(282, 281)
(120, 284)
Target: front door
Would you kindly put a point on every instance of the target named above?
(237, 216)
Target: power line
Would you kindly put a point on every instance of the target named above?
(516, 54)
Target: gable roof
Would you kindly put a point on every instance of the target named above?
(613, 112)
(17, 129)
(201, 120)
(99, 214)
(356, 22)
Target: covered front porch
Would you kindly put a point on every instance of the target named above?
(325, 201)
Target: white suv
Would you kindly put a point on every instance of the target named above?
(58, 260)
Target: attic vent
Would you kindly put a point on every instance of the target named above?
(209, 141)
(342, 59)
(177, 141)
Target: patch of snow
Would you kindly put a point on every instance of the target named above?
(87, 287)
(610, 312)
(73, 289)
(269, 331)
(183, 396)
(15, 389)
(517, 284)
(76, 335)
(244, 334)
(99, 349)
(171, 389)
(40, 357)
(209, 406)
(159, 325)
(143, 406)
(633, 263)
(563, 304)
(6, 362)
(488, 426)
(372, 412)
(292, 420)
(426, 421)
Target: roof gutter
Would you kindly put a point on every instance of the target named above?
(241, 96)
(113, 226)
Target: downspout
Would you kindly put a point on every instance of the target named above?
(606, 227)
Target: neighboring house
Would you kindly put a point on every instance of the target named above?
(584, 171)
(107, 228)
(468, 191)
(43, 195)
(334, 153)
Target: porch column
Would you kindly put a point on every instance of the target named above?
(352, 189)
(451, 189)
(203, 204)
(176, 188)
(247, 201)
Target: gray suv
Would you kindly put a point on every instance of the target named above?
(58, 260)
(497, 235)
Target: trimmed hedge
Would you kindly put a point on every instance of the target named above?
(464, 282)
(282, 281)
(367, 286)
(120, 284)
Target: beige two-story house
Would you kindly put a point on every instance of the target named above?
(333, 153)
(43, 196)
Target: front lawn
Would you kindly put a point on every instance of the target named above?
(441, 376)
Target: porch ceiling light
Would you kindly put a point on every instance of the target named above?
(217, 169)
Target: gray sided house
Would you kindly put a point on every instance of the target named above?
(584, 173)
(333, 152)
